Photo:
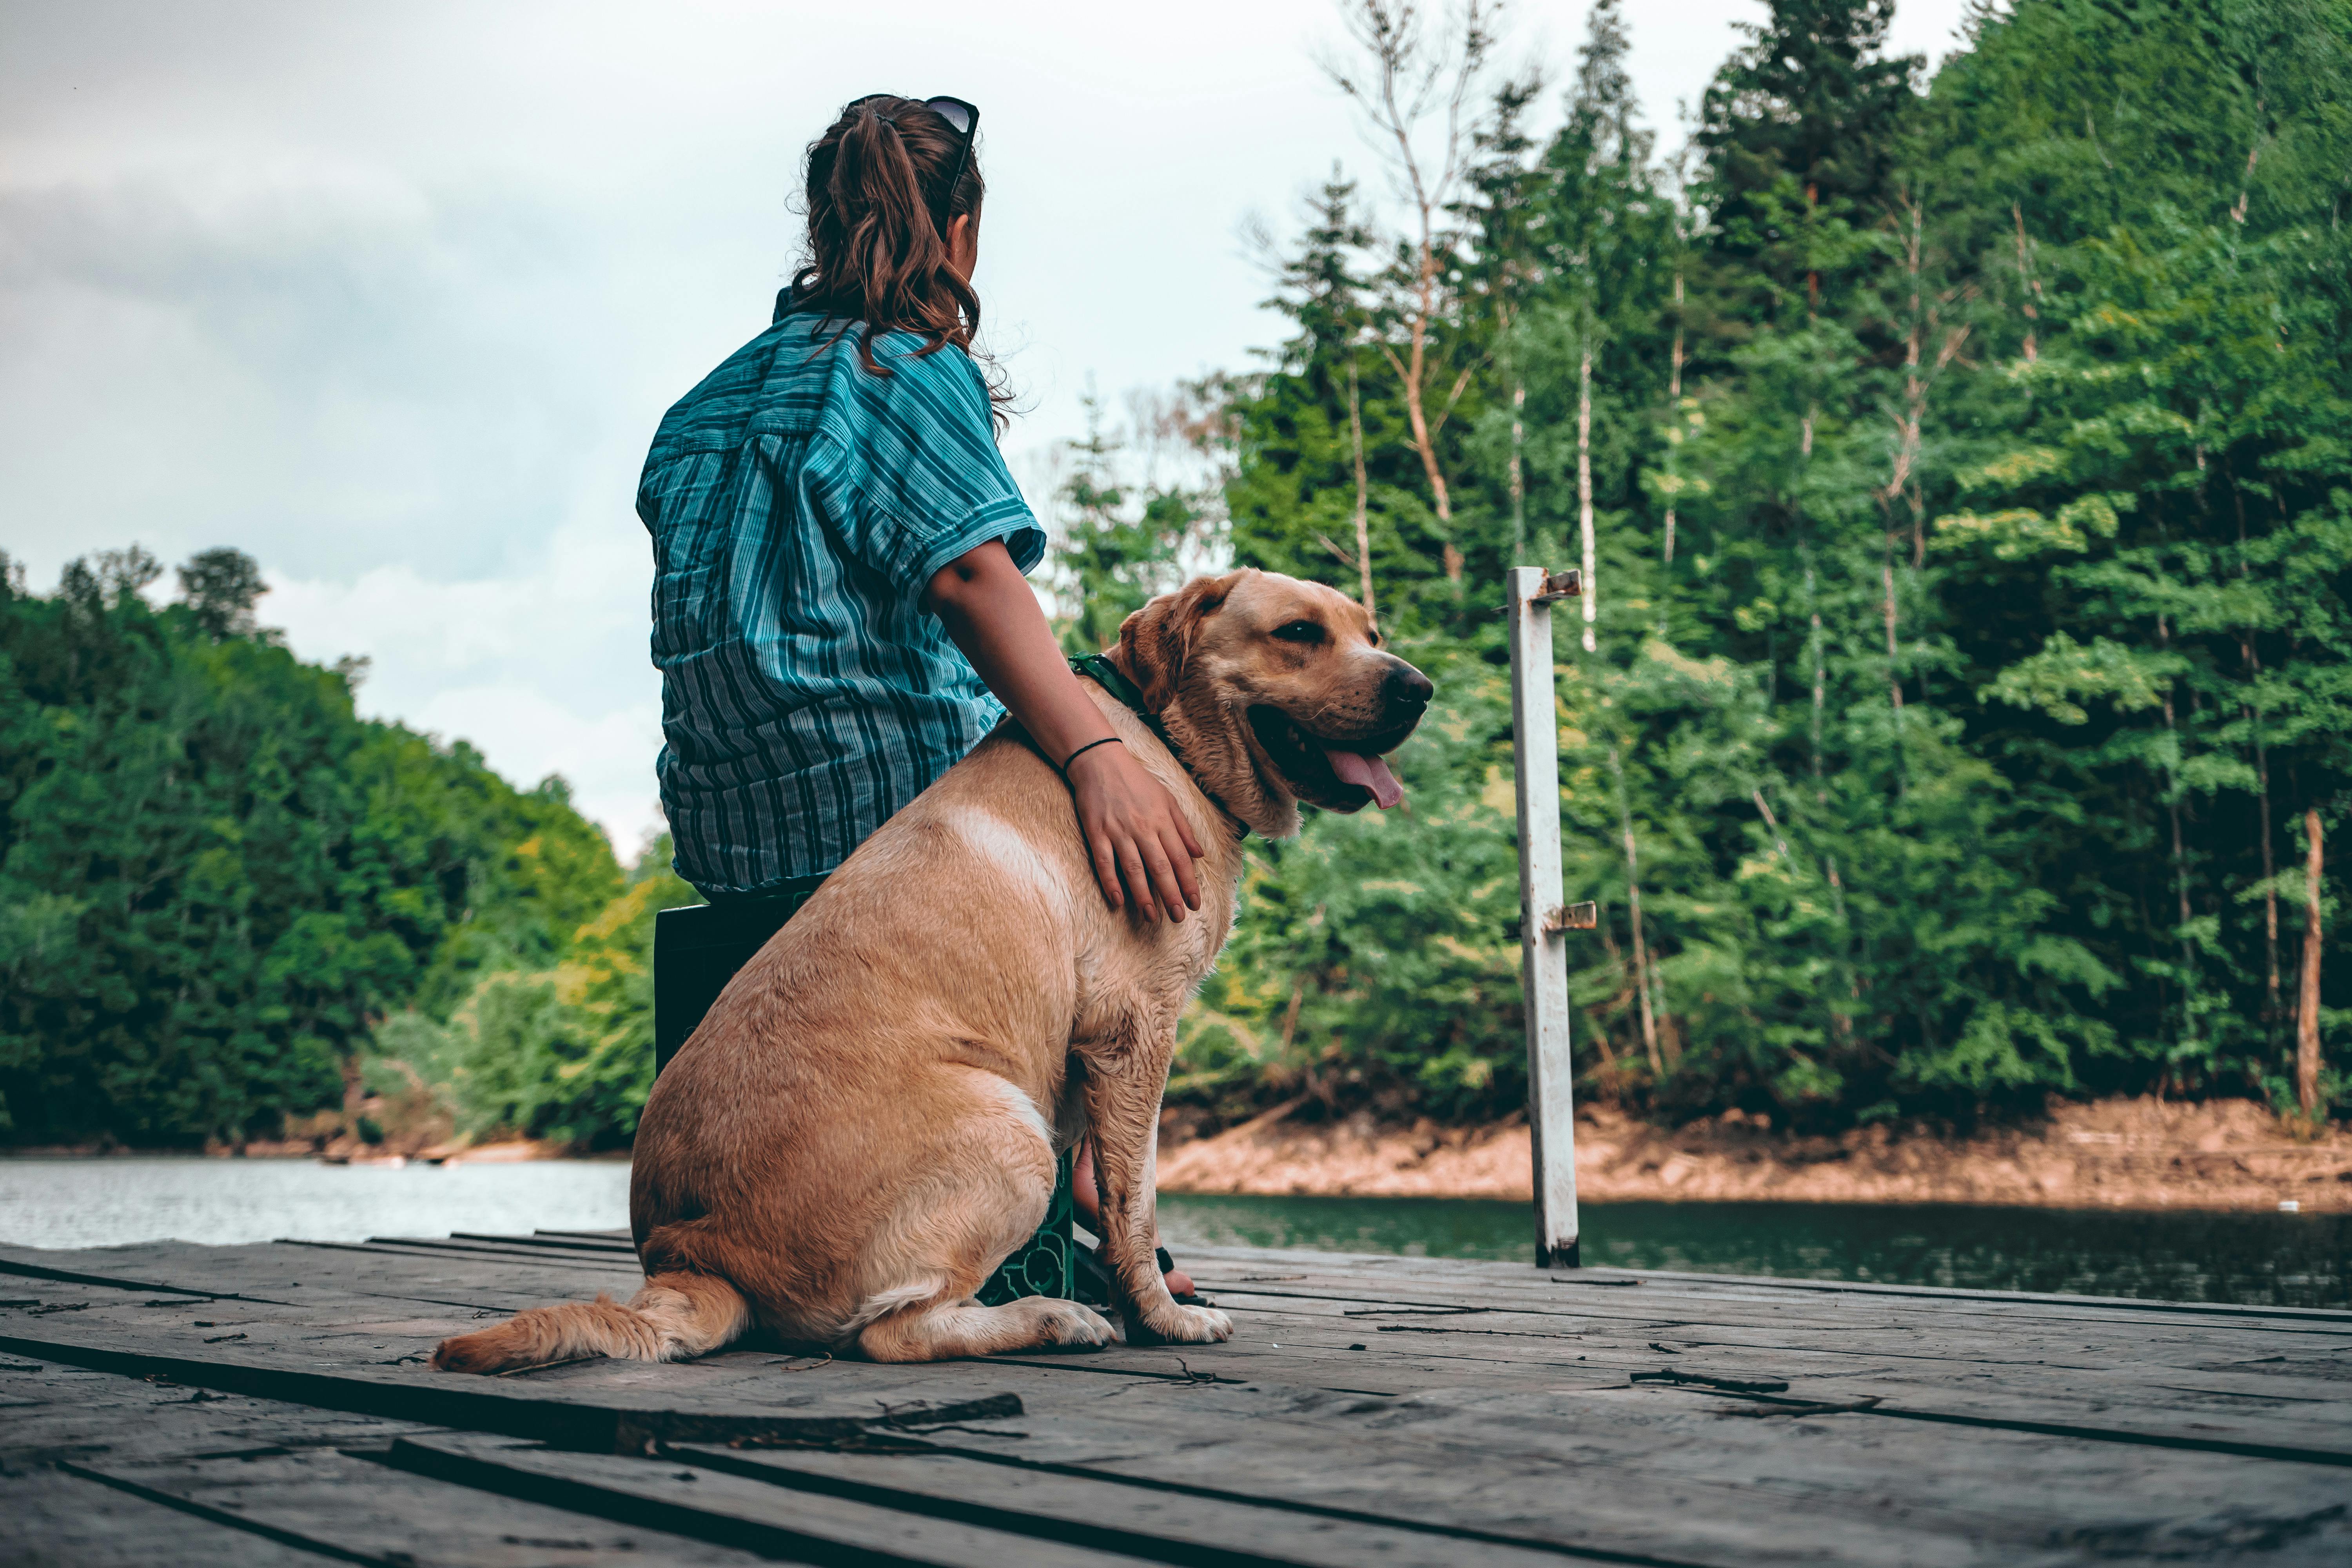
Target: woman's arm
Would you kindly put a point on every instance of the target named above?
(1133, 827)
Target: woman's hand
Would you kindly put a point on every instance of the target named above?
(1136, 834)
(1135, 831)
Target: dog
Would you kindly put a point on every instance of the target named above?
(867, 1121)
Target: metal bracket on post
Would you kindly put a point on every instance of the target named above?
(1543, 960)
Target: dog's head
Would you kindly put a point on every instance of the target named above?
(1278, 690)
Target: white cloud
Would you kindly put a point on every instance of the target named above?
(544, 672)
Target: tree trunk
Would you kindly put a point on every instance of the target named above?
(1363, 490)
(2306, 1023)
(2269, 886)
(1590, 597)
(2028, 290)
(1633, 908)
(1902, 480)
(1414, 372)
(1893, 680)
(1813, 652)
(1518, 470)
(2181, 887)
(1673, 415)
(2180, 857)
(1812, 279)
(2245, 184)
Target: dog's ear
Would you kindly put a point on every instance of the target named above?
(1155, 642)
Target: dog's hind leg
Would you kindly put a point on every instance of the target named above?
(985, 1193)
(939, 1330)
(676, 1316)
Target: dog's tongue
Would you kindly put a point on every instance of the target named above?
(1367, 772)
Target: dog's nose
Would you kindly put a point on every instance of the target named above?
(1406, 687)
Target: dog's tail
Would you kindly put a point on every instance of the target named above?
(676, 1316)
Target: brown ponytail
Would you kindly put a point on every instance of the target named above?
(875, 254)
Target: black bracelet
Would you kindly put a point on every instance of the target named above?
(1065, 768)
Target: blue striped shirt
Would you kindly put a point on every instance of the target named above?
(799, 505)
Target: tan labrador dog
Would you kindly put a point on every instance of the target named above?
(866, 1123)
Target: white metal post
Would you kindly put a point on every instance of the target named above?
(1534, 723)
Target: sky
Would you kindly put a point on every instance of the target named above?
(393, 295)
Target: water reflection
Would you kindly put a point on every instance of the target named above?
(2248, 1259)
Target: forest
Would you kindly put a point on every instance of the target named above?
(1954, 717)
(230, 909)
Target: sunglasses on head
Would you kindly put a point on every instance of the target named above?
(962, 117)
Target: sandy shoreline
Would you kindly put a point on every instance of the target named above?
(2123, 1154)
(2228, 1155)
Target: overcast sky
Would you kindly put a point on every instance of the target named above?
(391, 295)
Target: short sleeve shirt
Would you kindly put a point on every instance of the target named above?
(799, 505)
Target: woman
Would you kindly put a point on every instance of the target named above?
(839, 610)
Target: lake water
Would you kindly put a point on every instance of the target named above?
(112, 1201)
(2251, 1260)
(2268, 1260)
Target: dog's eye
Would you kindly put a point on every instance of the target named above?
(1300, 631)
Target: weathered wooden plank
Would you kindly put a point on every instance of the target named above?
(728, 1510)
(271, 1274)
(52, 1416)
(53, 1519)
(2034, 1367)
(576, 1256)
(158, 1464)
(2227, 1414)
(1970, 1334)
(619, 1243)
(600, 1263)
(1104, 1511)
(618, 1417)
(54, 1411)
(1674, 1477)
(1465, 1273)
(342, 1506)
(1633, 1295)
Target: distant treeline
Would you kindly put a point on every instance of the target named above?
(216, 883)
(1963, 471)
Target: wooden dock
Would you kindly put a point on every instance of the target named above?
(173, 1403)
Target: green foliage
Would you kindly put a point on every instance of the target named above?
(215, 878)
(1957, 748)
(564, 1053)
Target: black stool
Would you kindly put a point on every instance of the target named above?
(697, 948)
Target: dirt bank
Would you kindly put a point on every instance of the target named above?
(2129, 1153)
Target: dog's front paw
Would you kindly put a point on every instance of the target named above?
(1177, 1325)
(1072, 1324)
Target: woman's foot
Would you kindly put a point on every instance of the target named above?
(1089, 1202)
